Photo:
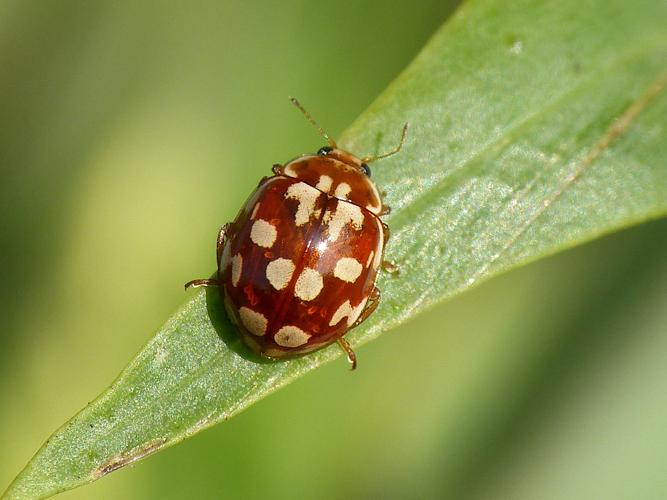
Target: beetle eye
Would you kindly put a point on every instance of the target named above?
(366, 169)
(324, 150)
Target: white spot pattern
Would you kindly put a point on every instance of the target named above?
(307, 197)
(347, 269)
(237, 267)
(263, 233)
(291, 336)
(342, 190)
(279, 273)
(324, 184)
(309, 284)
(254, 321)
(346, 310)
(346, 213)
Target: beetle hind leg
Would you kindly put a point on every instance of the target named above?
(351, 356)
(371, 306)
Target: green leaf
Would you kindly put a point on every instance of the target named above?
(534, 127)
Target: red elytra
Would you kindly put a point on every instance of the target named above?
(297, 267)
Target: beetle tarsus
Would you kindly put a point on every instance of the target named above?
(351, 356)
(201, 282)
(390, 267)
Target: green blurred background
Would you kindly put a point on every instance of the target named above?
(130, 131)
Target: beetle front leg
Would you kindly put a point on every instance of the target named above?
(277, 169)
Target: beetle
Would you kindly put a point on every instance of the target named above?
(297, 267)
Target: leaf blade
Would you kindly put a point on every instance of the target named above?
(468, 203)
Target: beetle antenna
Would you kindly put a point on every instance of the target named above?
(404, 133)
(312, 121)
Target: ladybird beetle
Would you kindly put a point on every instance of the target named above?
(297, 268)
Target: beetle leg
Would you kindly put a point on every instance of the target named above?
(390, 267)
(386, 209)
(201, 282)
(371, 305)
(218, 251)
(351, 356)
(386, 232)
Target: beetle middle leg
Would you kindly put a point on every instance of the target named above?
(390, 267)
(371, 305)
(277, 169)
(387, 265)
(218, 251)
(351, 356)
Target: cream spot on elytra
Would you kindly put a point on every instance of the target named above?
(291, 336)
(279, 273)
(346, 213)
(347, 269)
(324, 184)
(263, 233)
(344, 310)
(342, 190)
(347, 311)
(254, 321)
(307, 197)
(309, 284)
(356, 312)
(237, 266)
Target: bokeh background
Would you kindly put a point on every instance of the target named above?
(129, 131)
